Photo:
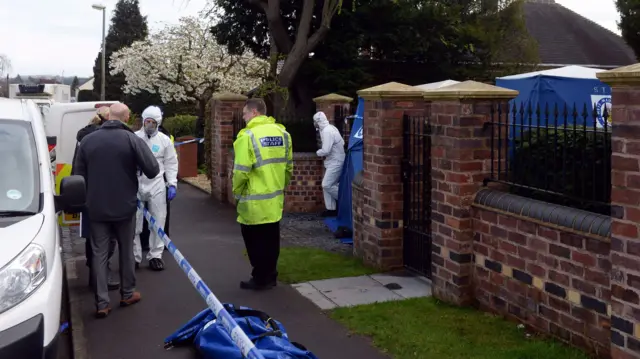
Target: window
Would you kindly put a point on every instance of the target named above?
(19, 172)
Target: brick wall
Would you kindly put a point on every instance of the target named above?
(304, 194)
(533, 269)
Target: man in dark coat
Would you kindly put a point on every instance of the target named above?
(101, 116)
(111, 159)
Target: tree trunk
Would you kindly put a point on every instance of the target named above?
(202, 104)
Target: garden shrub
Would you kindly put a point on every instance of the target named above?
(180, 125)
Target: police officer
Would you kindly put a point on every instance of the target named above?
(262, 170)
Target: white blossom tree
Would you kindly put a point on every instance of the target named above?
(5, 65)
(184, 62)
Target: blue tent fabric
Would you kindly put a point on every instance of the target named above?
(543, 90)
(352, 165)
(548, 91)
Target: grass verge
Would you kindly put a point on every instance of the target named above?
(301, 264)
(428, 329)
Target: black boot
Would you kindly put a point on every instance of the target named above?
(156, 264)
(112, 283)
(253, 285)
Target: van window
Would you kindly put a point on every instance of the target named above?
(19, 173)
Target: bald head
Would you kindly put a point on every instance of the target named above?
(119, 112)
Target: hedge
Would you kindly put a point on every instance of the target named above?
(180, 125)
(575, 163)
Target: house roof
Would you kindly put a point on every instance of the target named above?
(566, 38)
(87, 85)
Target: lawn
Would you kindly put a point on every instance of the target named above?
(301, 264)
(428, 329)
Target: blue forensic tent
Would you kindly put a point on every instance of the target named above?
(352, 165)
(566, 85)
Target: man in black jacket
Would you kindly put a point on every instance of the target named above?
(110, 160)
(101, 116)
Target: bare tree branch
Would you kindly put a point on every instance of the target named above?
(304, 25)
(276, 26)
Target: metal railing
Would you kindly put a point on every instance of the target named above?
(558, 154)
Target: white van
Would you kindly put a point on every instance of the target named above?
(30, 260)
(62, 123)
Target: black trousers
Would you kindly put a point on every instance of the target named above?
(263, 248)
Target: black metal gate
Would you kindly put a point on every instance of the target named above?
(416, 173)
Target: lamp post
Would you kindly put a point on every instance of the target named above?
(104, 20)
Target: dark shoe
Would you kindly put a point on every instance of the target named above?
(253, 285)
(137, 265)
(113, 284)
(133, 299)
(329, 213)
(156, 264)
(103, 313)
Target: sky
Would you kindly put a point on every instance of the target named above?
(56, 37)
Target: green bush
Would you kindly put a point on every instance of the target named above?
(572, 162)
(134, 121)
(180, 125)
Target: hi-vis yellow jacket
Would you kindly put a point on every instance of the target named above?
(262, 170)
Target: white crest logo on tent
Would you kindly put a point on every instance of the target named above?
(601, 101)
(358, 133)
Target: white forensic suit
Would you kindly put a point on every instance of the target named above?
(153, 191)
(333, 152)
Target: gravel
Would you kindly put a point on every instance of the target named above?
(309, 230)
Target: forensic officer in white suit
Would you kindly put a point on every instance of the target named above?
(333, 152)
(155, 192)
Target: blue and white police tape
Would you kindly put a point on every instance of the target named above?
(241, 340)
(199, 140)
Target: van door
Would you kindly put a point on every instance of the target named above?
(70, 124)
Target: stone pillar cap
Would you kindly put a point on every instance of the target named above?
(469, 90)
(333, 97)
(391, 90)
(622, 75)
(228, 96)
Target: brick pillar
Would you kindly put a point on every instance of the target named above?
(327, 104)
(225, 108)
(460, 159)
(625, 213)
(380, 244)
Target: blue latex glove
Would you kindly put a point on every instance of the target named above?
(171, 193)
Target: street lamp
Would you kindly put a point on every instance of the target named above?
(104, 20)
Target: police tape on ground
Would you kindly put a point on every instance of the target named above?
(239, 337)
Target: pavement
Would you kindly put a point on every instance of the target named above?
(367, 289)
(208, 236)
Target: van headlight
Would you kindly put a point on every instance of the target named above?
(22, 276)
